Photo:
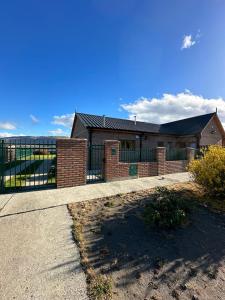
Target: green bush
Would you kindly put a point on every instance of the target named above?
(168, 209)
(209, 170)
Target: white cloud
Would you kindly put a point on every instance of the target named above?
(188, 42)
(8, 134)
(64, 120)
(174, 107)
(34, 119)
(58, 131)
(5, 134)
(7, 126)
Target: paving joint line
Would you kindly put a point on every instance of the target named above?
(1, 209)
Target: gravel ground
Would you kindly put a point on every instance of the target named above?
(38, 257)
(146, 263)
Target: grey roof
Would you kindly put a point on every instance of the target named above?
(93, 121)
(188, 126)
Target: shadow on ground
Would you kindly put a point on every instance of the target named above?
(146, 262)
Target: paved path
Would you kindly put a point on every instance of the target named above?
(28, 201)
(38, 258)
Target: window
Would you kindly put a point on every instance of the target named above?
(181, 145)
(127, 144)
(193, 145)
(160, 144)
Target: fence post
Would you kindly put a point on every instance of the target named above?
(2, 161)
(161, 159)
(111, 159)
(190, 153)
(71, 162)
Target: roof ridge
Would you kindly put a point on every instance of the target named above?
(198, 116)
(101, 116)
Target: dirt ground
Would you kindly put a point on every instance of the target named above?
(148, 263)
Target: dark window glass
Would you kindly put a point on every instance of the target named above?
(127, 144)
(160, 144)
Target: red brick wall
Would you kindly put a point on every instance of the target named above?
(175, 166)
(115, 170)
(161, 159)
(71, 162)
(146, 169)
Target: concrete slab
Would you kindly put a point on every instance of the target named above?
(4, 199)
(39, 259)
(22, 202)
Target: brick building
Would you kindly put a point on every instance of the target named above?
(192, 132)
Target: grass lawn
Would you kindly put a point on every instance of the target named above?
(39, 157)
(125, 259)
(20, 179)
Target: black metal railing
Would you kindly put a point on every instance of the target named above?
(27, 164)
(176, 154)
(95, 163)
(138, 155)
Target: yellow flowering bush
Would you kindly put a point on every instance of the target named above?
(209, 170)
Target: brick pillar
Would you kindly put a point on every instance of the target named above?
(190, 153)
(111, 159)
(161, 159)
(71, 162)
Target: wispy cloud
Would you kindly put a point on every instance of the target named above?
(58, 131)
(172, 107)
(188, 42)
(7, 126)
(64, 120)
(34, 119)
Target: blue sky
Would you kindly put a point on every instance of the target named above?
(117, 58)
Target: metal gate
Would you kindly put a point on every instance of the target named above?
(95, 167)
(27, 164)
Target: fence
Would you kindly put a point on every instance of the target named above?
(1, 165)
(70, 162)
(27, 165)
(95, 163)
(138, 155)
(121, 164)
(23, 152)
(176, 154)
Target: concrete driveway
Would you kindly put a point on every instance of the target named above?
(38, 258)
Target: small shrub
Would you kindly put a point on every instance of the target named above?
(100, 288)
(109, 204)
(168, 209)
(209, 170)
